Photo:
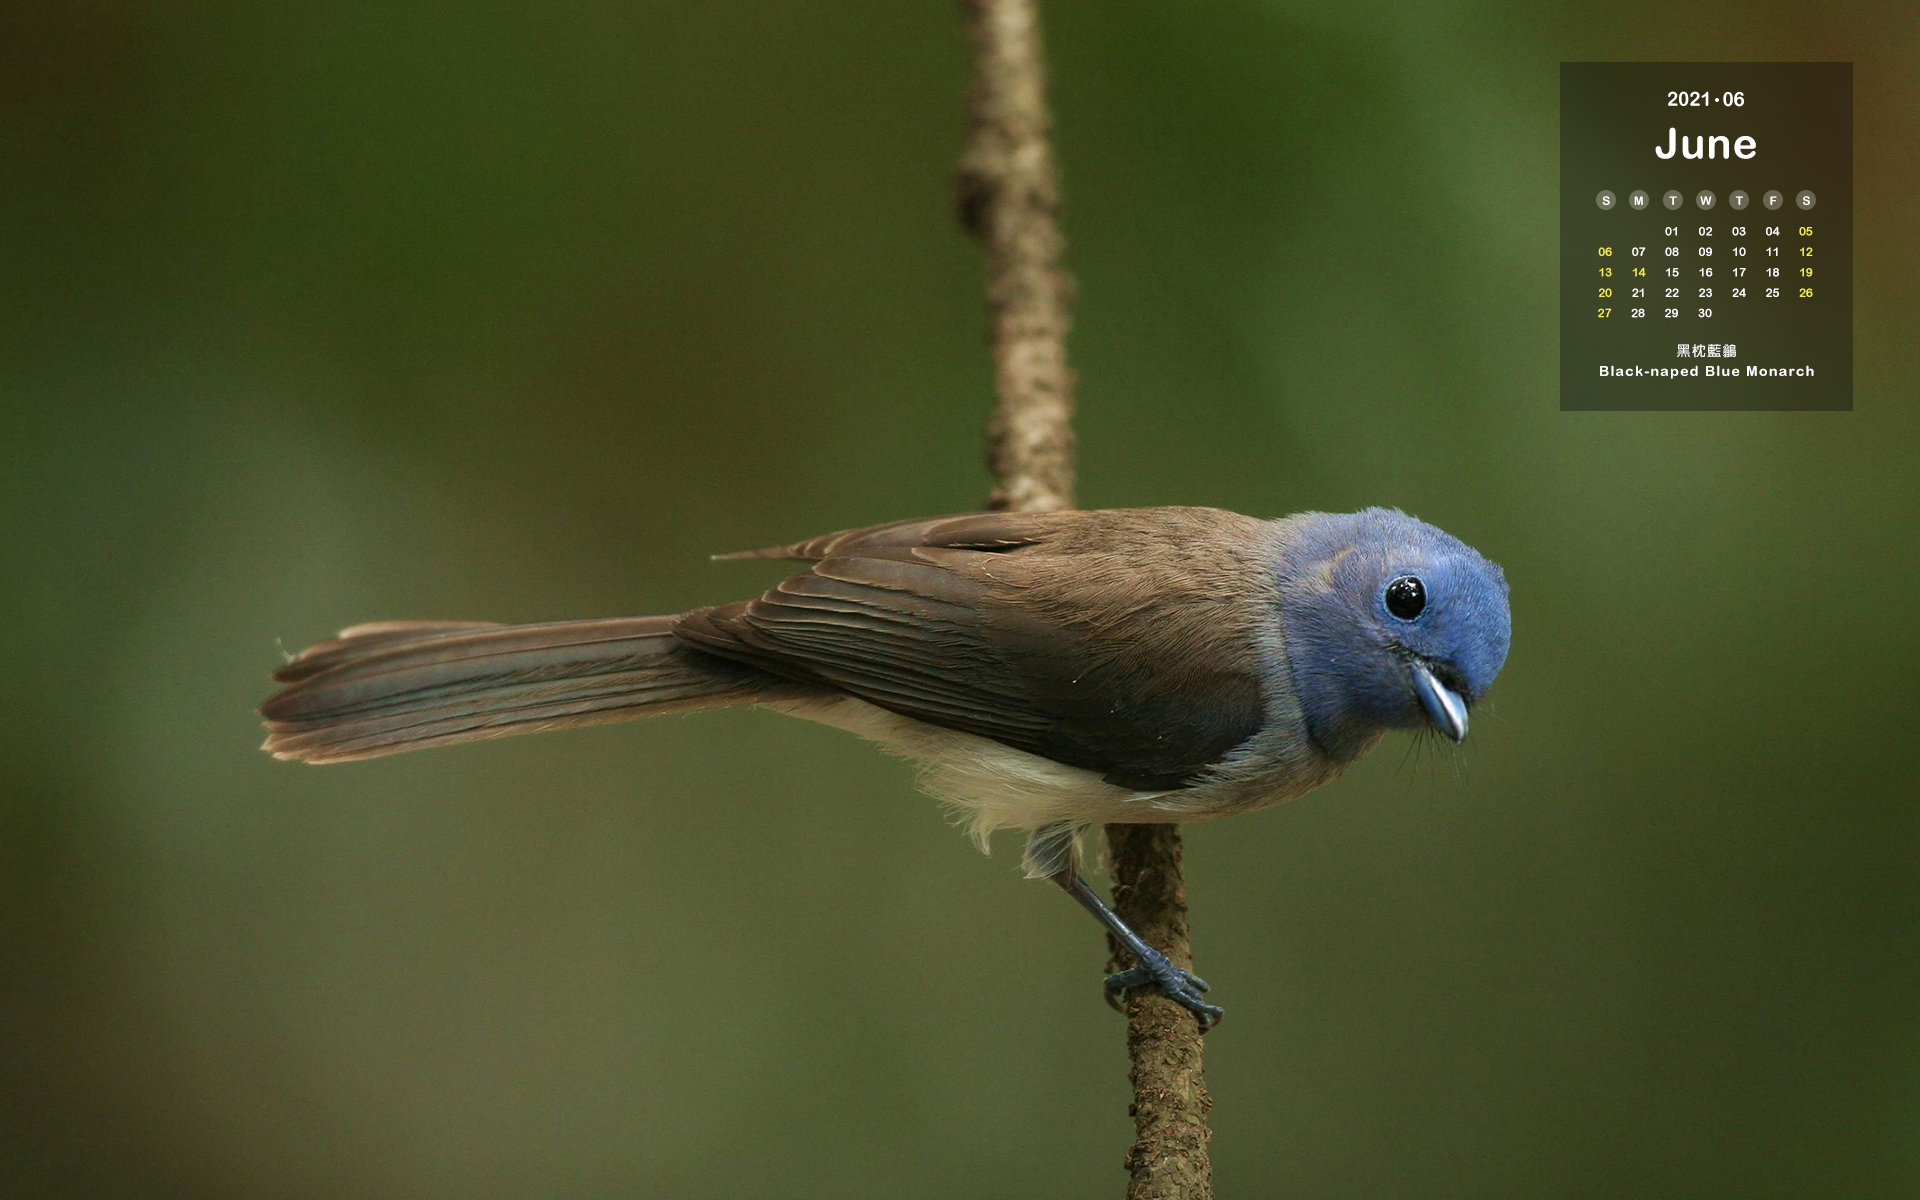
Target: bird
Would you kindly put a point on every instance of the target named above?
(1046, 671)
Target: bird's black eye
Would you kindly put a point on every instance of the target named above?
(1406, 597)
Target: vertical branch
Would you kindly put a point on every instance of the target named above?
(1009, 197)
(1170, 1101)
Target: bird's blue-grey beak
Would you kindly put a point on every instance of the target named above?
(1445, 708)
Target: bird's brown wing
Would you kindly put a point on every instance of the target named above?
(992, 531)
(1122, 641)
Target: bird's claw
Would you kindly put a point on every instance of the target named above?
(1182, 987)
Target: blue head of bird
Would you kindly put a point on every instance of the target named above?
(1390, 623)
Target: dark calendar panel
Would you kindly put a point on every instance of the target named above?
(1706, 236)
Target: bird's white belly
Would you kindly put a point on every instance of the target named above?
(991, 786)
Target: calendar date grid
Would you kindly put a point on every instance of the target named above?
(1686, 270)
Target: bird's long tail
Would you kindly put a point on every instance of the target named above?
(405, 685)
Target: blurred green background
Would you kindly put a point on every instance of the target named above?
(315, 314)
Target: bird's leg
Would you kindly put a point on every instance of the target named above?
(1152, 969)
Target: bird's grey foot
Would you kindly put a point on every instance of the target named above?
(1153, 970)
(1182, 987)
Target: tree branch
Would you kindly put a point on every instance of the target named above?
(1170, 1101)
(1009, 197)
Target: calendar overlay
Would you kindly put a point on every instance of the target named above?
(1706, 236)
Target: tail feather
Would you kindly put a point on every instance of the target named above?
(361, 640)
(384, 688)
